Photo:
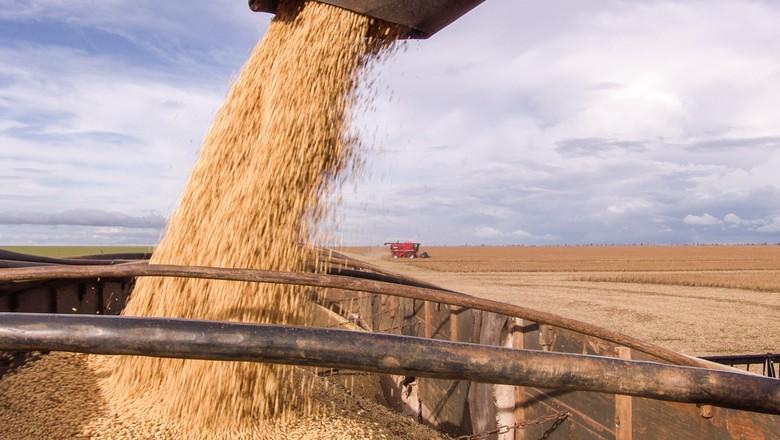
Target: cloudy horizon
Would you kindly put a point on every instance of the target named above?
(522, 123)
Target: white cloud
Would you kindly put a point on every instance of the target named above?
(94, 132)
(701, 220)
(629, 206)
(156, 27)
(495, 211)
(645, 89)
(732, 219)
(83, 217)
(77, 235)
(772, 226)
(586, 121)
(521, 233)
(486, 232)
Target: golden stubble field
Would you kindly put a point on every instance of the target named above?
(695, 299)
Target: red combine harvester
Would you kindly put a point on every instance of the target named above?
(406, 249)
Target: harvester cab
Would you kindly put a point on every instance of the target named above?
(422, 18)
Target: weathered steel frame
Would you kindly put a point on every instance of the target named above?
(352, 284)
(462, 406)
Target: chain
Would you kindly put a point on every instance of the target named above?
(554, 426)
(556, 418)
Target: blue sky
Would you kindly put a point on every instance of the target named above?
(522, 123)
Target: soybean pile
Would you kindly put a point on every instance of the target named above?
(68, 396)
(278, 149)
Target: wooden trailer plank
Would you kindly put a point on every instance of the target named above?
(428, 319)
(6, 302)
(113, 297)
(596, 407)
(445, 404)
(658, 419)
(623, 406)
(521, 397)
(544, 402)
(68, 300)
(482, 403)
(88, 298)
(36, 300)
(505, 398)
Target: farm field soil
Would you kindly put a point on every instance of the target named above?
(593, 258)
(759, 280)
(75, 251)
(696, 320)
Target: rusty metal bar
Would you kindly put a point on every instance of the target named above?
(767, 361)
(384, 353)
(354, 284)
(99, 260)
(337, 259)
(374, 276)
(7, 264)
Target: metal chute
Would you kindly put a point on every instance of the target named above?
(423, 18)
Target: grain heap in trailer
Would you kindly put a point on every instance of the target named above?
(232, 329)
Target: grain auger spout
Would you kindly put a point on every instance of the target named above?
(423, 18)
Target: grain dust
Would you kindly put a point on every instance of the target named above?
(279, 146)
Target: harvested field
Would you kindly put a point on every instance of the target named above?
(759, 280)
(690, 319)
(593, 258)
